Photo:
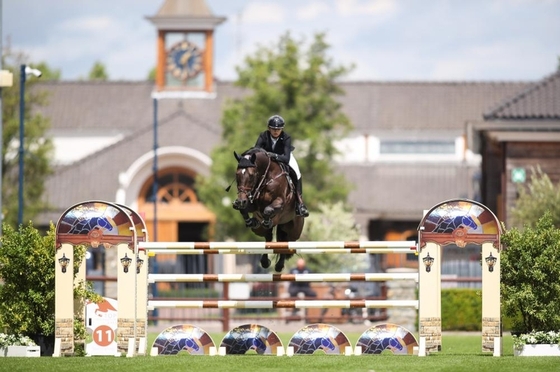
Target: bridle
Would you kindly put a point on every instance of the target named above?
(254, 191)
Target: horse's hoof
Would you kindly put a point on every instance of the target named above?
(265, 263)
(252, 223)
(278, 268)
(267, 224)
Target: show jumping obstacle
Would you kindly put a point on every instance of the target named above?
(457, 221)
(246, 278)
(278, 247)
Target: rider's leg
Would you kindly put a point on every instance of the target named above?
(301, 209)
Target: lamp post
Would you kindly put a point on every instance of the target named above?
(24, 71)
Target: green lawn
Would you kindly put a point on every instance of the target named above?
(460, 353)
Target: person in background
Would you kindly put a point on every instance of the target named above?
(301, 287)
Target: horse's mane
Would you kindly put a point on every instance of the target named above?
(245, 158)
(253, 150)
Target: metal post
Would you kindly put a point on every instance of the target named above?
(155, 170)
(1, 123)
(153, 262)
(21, 135)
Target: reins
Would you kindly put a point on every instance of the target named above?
(254, 192)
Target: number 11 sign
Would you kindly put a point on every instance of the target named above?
(101, 325)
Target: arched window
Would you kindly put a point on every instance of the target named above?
(175, 186)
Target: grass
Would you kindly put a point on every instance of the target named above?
(460, 353)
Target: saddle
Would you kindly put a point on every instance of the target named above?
(292, 179)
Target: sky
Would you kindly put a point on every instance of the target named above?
(386, 40)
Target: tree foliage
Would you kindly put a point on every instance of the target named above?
(530, 269)
(48, 73)
(98, 72)
(27, 295)
(38, 149)
(299, 84)
(539, 196)
(27, 269)
(333, 222)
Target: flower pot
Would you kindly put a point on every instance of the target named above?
(20, 351)
(537, 350)
(45, 342)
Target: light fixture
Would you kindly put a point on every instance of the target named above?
(64, 261)
(491, 261)
(125, 262)
(139, 263)
(428, 262)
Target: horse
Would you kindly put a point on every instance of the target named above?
(265, 189)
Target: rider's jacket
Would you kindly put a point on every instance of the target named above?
(283, 146)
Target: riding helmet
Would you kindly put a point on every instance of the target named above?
(276, 122)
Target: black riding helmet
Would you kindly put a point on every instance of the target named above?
(276, 122)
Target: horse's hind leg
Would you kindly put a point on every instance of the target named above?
(281, 236)
(280, 263)
(265, 261)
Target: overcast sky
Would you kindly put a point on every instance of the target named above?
(459, 40)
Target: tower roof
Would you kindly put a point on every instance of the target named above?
(185, 14)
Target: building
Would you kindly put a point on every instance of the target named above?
(407, 152)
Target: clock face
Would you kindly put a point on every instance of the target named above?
(184, 60)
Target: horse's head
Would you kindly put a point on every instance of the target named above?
(246, 176)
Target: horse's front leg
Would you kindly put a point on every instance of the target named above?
(251, 222)
(265, 261)
(271, 211)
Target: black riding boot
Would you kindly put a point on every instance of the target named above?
(301, 209)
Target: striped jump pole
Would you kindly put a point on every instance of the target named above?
(244, 278)
(299, 247)
(278, 247)
(281, 304)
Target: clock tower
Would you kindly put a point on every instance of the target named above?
(185, 44)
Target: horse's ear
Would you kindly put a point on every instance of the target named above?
(236, 156)
(254, 158)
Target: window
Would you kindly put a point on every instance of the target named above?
(400, 147)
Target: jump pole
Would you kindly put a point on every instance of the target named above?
(244, 278)
(281, 304)
(300, 247)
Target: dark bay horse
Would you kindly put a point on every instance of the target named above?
(265, 190)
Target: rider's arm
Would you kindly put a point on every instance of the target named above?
(285, 156)
(261, 141)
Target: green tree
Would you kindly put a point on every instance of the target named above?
(530, 267)
(539, 196)
(299, 84)
(48, 73)
(98, 72)
(333, 222)
(38, 149)
(152, 74)
(27, 293)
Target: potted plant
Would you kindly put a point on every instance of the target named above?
(530, 268)
(27, 295)
(18, 345)
(537, 343)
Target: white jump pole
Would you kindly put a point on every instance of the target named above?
(287, 304)
(277, 245)
(243, 278)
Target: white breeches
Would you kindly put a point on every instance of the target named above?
(294, 165)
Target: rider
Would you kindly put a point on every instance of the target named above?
(279, 144)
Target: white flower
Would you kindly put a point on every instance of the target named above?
(536, 337)
(15, 340)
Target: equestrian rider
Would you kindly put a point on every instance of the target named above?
(278, 144)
